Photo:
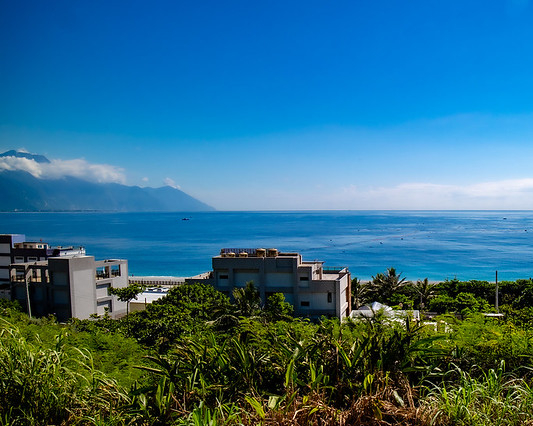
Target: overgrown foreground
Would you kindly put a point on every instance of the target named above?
(195, 359)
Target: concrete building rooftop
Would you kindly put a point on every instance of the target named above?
(31, 263)
(254, 252)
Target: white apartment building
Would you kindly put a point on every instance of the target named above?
(69, 286)
(15, 249)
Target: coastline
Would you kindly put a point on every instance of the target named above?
(439, 245)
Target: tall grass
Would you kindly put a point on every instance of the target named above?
(274, 376)
(492, 398)
(366, 372)
(45, 386)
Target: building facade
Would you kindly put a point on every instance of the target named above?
(311, 288)
(73, 286)
(15, 249)
(7, 244)
(152, 280)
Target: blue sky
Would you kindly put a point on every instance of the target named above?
(279, 105)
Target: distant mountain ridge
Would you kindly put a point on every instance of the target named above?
(21, 191)
(19, 154)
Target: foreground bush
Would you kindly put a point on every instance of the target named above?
(40, 386)
(248, 365)
(494, 398)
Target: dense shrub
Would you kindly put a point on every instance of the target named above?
(43, 386)
(204, 360)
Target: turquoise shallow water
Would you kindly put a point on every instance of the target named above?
(437, 245)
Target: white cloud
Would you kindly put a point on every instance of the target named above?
(504, 194)
(56, 169)
(511, 194)
(170, 182)
(24, 164)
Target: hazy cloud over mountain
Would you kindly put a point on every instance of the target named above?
(31, 182)
(55, 169)
(170, 182)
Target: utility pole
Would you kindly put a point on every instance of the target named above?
(497, 301)
(27, 291)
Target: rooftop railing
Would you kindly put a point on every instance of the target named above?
(334, 269)
(249, 251)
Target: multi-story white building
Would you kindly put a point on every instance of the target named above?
(311, 288)
(15, 249)
(72, 286)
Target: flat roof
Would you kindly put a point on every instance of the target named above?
(150, 295)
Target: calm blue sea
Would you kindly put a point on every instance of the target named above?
(437, 245)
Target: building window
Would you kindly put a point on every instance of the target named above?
(330, 297)
(304, 281)
(304, 303)
(115, 270)
(19, 259)
(224, 277)
(32, 259)
(101, 273)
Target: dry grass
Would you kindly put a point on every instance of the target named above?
(394, 403)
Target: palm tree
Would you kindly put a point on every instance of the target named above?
(360, 292)
(386, 285)
(247, 300)
(425, 290)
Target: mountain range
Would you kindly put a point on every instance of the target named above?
(21, 191)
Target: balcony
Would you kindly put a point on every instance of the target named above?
(102, 275)
(18, 278)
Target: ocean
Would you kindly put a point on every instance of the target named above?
(438, 245)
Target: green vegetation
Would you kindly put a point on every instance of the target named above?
(127, 294)
(197, 358)
(460, 297)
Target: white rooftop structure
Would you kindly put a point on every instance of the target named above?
(148, 296)
(369, 311)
